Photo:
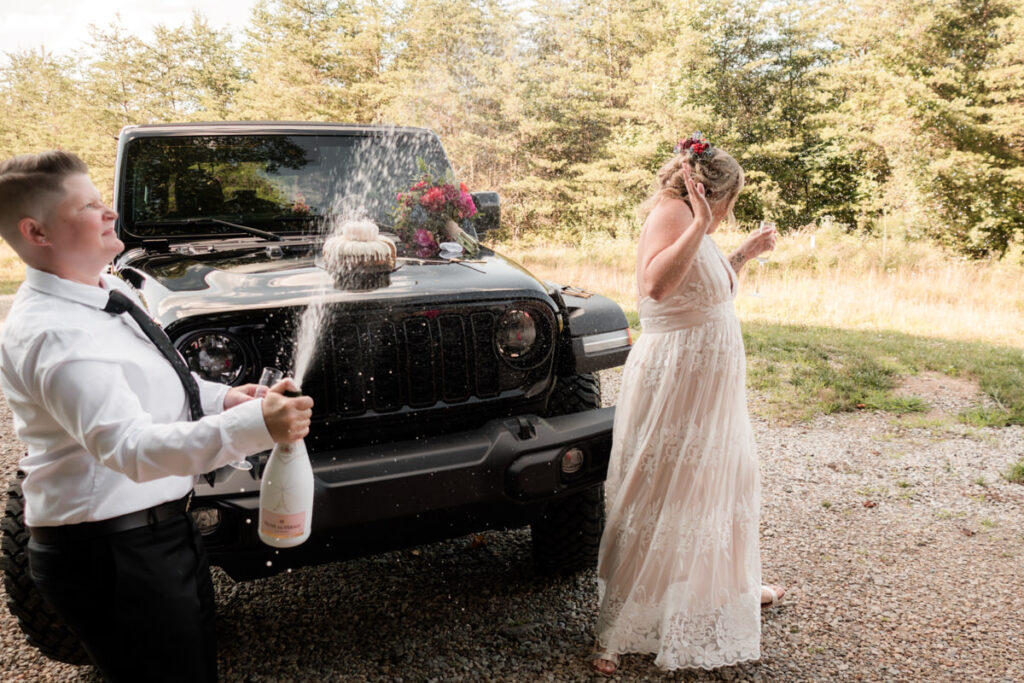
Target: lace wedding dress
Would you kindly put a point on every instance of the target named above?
(679, 570)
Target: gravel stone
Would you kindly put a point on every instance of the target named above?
(925, 584)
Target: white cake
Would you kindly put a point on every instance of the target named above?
(359, 248)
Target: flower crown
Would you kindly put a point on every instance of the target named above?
(696, 144)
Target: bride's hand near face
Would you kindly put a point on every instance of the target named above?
(670, 240)
(698, 200)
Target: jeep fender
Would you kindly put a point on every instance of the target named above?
(596, 334)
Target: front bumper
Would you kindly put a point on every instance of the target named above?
(378, 498)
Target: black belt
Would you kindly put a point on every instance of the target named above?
(83, 531)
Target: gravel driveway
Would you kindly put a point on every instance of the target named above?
(901, 545)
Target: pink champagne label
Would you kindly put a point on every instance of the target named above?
(283, 526)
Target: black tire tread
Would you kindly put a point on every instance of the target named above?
(567, 537)
(42, 627)
(575, 394)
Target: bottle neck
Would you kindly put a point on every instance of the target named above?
(288, 451)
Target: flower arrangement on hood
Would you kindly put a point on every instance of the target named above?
(433, 211)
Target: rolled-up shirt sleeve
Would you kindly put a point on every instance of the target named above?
(90, 397)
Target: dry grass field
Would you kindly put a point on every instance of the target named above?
(12, 270)
(828, 278)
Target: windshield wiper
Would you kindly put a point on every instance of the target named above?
(331, 219)
(216, 221)
(292, 218)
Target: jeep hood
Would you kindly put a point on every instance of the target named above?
(179, 285)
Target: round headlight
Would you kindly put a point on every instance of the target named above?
(215, 356)
(515, 334)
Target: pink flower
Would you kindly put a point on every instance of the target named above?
(433, 199)
(424, 242)
(467, 209)
(424, 239)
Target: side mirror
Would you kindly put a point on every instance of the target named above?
(488, 209)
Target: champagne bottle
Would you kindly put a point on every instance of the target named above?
(286, 495)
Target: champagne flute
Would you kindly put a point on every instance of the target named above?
(268, 378)
(768, 226)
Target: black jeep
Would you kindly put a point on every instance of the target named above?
(452, 396)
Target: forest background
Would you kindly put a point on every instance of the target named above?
(840, 110)
(885, 137)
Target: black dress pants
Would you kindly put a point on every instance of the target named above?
(140, 600)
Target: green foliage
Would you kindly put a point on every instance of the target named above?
(447, 68)
(37, 94)
(760, 89)
(1015, 474)
(806, 371)
(932, 91)
(313, 60)
(846, 111)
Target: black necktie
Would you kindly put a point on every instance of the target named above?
(119, 303)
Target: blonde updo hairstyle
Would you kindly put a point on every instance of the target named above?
(721, 174)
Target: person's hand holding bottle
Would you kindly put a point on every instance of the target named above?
(287, 417)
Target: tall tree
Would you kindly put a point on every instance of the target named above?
(926, 94)
(38, 95)
(196, 70)
(44, 109)
(313, 60)
(1004, 82)
(579, 123)
(449, 65)
(758, 90)
(120, 82)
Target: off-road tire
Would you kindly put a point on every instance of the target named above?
(567, 537)
(37, 620)
(575, 394)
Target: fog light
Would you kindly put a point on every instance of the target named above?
(572, 461)
(207, 519)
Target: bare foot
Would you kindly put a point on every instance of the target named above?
(605, 663)
(771, 594)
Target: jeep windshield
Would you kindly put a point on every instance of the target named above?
(187, 187)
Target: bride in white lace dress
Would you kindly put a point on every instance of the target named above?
(679, 570)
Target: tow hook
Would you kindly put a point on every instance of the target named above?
(522, 428)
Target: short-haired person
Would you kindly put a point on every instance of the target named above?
(112, 449)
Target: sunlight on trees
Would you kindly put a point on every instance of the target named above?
(841, 111)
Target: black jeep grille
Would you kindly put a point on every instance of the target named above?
(410, 360)
(415, 362)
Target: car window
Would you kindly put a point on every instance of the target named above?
(270, 181)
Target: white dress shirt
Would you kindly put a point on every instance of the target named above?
(103, 414)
